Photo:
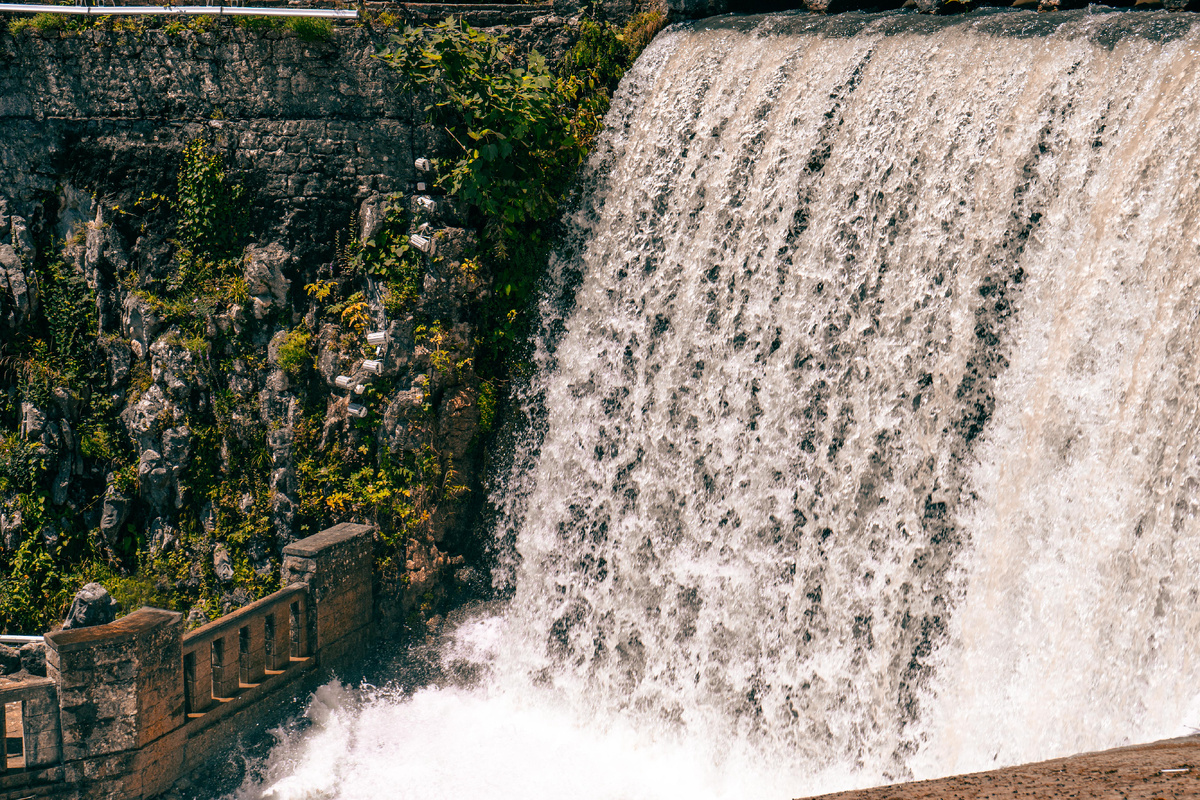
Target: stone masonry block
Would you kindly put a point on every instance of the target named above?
(121, 683)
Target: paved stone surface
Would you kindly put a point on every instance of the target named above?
(1141, 772)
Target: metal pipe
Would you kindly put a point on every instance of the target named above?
(215, 11)
(16, 639)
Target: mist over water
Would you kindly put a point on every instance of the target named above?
(863, 444)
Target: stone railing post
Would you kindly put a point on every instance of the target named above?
(120, 694)
(337, 565)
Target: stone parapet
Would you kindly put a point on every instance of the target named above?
(131, 706)
(336, 565)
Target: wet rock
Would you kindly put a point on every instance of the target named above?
(10, 660)
(222, 565)
(691, 9)
(93, 605)
(33, 658)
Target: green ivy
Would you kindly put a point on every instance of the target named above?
(211, 209)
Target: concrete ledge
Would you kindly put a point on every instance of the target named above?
(1138, 772)
(125, 629)
(314, 545)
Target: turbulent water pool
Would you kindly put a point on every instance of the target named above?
(864, 443)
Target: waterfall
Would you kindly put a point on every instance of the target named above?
(864, 439)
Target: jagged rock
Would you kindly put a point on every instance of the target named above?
(283, 517)
(93, 605)
(139, 324)
(153, 479)
(10, 660)
(4, 218)
(371, 216)
(174, 368)
(234, 600)
(67, 402)
(33, 421)
(33, 658)
(12, 526)
(222, 565)
(196, 617)
(14, 285)
(163, 538)
(75, 207)
(176, 450)
(120, 360)
(49, 534)
(272, 399)
(142, 419)
(59, 440)
(22, 241)
(117, 506)
(264, 273)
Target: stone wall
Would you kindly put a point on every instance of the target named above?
(113, 719)
(93, 125)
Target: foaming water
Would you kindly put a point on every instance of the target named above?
(863, 441)
(490, 741)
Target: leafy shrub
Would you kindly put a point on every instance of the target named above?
(311, 29)
(294, 354)
(257, 23)
(38, 22)
(211, 209)
(516, 150)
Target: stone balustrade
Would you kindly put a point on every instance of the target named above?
(129, 707)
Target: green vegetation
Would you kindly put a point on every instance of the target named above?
(294, 353)
(308, 29)
(38, 22)
(519, 130)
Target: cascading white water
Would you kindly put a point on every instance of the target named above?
(865, 434)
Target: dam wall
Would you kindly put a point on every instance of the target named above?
(311, 128)
(129, 707)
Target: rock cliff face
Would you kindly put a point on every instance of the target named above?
(170, 405)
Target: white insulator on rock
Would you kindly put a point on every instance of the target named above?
(427, 204)
(423, 165)
(376, 337)
(343, 381)
(421, 186)
(371, 365)
(356, 410)
(423, 243)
